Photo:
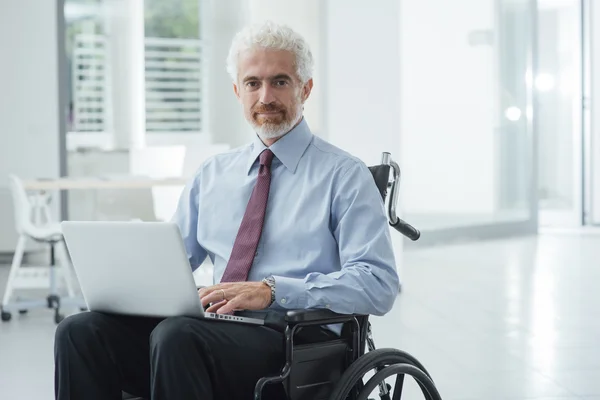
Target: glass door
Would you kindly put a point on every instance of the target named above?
(467, 129)
(558, 85)
(592, 108)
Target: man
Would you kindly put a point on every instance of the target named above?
(289, 221)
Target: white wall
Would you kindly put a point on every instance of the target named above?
(362, 81)
(29, 124)
(447, 107)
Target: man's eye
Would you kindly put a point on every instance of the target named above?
(252, 84)
(280, 83)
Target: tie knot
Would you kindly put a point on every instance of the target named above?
(266, 157)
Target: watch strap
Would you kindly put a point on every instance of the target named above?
(270, 281)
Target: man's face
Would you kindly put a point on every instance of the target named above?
(270, 91)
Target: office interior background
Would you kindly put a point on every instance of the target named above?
(488, 106)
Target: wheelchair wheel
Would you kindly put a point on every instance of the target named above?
(387, 362)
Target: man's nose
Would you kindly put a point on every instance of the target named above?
(266, 94)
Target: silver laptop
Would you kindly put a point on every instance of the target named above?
(136, 268)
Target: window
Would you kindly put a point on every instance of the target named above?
(172, 66)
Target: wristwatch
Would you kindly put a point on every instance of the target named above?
(270, 281)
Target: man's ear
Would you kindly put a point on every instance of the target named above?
(307, 89)
(236, 91)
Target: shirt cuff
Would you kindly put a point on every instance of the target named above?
(290, 292)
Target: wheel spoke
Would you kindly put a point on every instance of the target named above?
(400, 369)
(398, 387)
(387, 363)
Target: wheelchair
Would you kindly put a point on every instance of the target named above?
(336, 369)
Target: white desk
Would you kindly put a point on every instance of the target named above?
(109, 182)
(161, 203)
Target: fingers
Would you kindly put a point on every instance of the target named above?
(206, 290)
(224, 291)
(230, 306)
(216, 293)
(215, 307)
(214, 296)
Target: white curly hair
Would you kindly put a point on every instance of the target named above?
(271, 35)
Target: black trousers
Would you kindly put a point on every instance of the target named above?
(98, 355)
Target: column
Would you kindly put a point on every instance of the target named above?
(125, 50)
(30, 112)
(220, 21)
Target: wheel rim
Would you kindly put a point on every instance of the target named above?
(354, 377)
(383, 364)
(426, 385)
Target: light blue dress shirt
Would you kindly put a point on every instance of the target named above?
(325, 239)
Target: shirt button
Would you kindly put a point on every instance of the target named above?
(283, 301)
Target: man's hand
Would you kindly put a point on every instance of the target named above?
(228, 297)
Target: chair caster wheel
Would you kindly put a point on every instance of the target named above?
(23, 312)
(386, 396)
(53, 300)
(6, 316)
(58, 318)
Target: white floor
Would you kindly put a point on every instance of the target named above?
(514, 319)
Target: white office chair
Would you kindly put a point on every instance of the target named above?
(33, 222)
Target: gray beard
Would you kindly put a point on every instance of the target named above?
(274, 131)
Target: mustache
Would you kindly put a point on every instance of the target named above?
(268, 108)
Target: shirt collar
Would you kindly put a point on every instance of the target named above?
(289, 149)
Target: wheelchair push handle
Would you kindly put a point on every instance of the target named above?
(406, 229)
(401, 226)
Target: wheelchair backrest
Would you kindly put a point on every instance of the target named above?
(381, 175)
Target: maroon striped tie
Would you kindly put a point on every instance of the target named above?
(246, 242)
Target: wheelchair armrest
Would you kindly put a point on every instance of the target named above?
(317, 315)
